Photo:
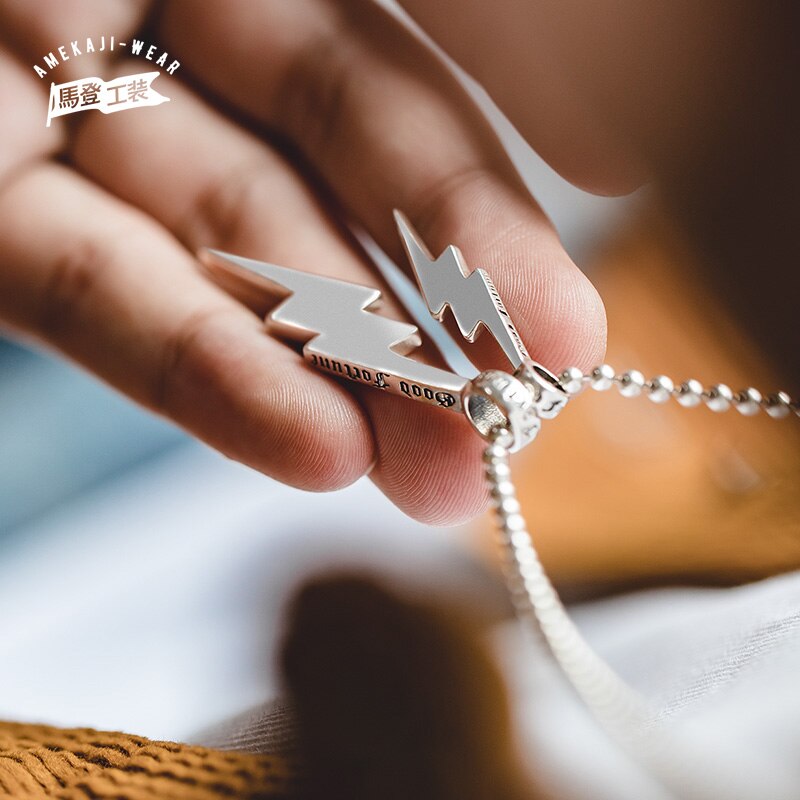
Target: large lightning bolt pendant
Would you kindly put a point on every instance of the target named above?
(340, 333)
(342, 336)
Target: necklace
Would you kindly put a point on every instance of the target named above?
(342, 336)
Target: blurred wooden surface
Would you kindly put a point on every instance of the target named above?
(621, 491)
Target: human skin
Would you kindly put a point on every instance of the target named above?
(97, 250)
(284, 117)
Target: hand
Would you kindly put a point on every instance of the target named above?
(277, 107)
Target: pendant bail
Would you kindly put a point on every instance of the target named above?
(513, 406)
(500, 405)
(549, 395)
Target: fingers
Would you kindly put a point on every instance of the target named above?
(429, 461)
(109, 287)
(23, 101)
(387, 126)
(550, 49)
(213, 184)
(384, 131)
(38, 27)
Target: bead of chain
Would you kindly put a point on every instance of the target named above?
(534, 598)
(601, 378)
(690, 393)
(718, 397)
(778, 405)
(660, 389)
(572, 380)
(631, 383)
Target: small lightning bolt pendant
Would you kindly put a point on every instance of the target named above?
(340, 333)
(475, 303)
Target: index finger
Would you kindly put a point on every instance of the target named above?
(386, 125)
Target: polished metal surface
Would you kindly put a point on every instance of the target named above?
(406, 292)
(689, 394)
(601, 378)
(341, 334)
(616, 705)
(496, 401)
(748, 401)
(718, 397)
(660, 389)
(471, 296)
(631, 383)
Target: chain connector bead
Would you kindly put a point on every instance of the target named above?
(660, 388)
(748, 401)
(601, 378)
(631, 383)
(496, 401)
(778, 405)
(690, 393)
(549, 396)
(718, 397)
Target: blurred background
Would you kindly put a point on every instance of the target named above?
(144, 578)
(142, 575)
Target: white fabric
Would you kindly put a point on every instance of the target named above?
(722, 666)
(153, 606)
(153, 603)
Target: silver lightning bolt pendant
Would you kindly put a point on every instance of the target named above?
(340, 333)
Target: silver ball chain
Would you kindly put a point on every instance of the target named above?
(718, 397)
(535, 599)
(617, 706)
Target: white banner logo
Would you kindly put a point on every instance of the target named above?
(128, 91)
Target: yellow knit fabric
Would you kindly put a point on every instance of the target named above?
(38, 761)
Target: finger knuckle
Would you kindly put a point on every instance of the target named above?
(221, 210)
(314, 93)
(186, 360)
(436, 205)
(72, 281)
